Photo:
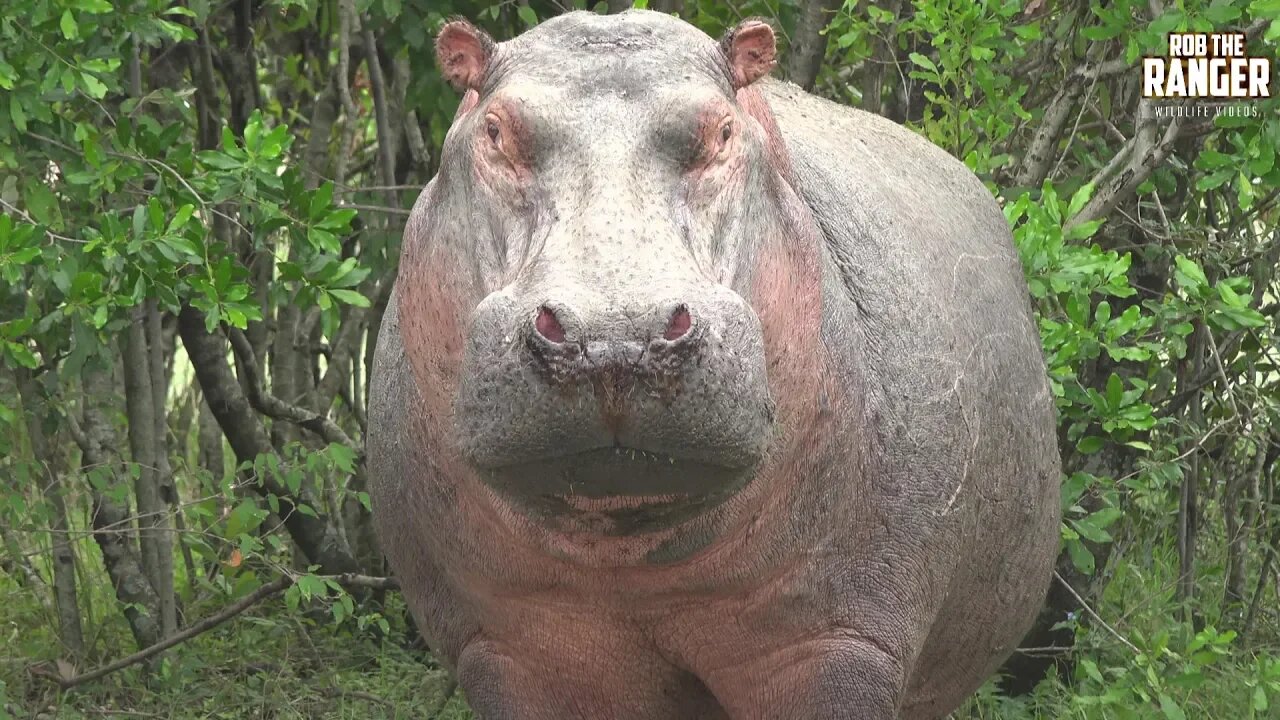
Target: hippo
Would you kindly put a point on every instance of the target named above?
(701, 397)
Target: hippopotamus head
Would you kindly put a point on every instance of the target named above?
(597, 290)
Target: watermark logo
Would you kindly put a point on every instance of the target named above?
(1211, 66)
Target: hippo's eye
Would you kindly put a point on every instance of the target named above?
(491, 127)
(726, 131)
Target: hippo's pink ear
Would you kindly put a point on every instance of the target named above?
(751, 51)
(462, 52)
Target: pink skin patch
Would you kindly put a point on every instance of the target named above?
(548, 326)
(469, 102)
(679, 325)
(754, 105)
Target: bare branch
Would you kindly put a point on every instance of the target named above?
(272, 406)
(276, 586)
(1096, 616)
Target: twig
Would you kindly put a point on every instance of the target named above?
(31, 221)
(1095, 615)
(275, 586)
(378, 208)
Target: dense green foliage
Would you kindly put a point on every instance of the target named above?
(200, 210)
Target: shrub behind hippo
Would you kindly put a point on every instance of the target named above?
(700, 397)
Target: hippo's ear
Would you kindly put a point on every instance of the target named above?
(462, 52)
(751, 51)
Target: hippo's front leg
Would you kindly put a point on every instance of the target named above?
(578, 677)
(836, 677)
(498, 687)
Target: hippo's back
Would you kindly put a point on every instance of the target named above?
(938, 310)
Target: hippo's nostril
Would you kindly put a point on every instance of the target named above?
(679, 324)
(548, 326)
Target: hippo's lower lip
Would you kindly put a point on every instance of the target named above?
(615, 471)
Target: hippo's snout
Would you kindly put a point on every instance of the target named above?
(589, 396)
(653, 347)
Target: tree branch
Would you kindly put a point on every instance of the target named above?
(272, 406)
(1146, 150)
(1040, 152)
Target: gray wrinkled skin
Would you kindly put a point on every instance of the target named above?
(867, 544)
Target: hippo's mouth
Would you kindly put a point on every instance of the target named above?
(630, 490)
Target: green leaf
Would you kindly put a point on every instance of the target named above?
(219, 161)
(1080, 556)
(1235, 318)
(344, 458)
(527, 15)
(1104, 517)
(1084, 230)
(23, 355)
(99, 7)
(1244, 192)
(338, 220)
(320, 201)
(1214, 179)
(17, 115)
(1260, 702)
(1090, 531)
(923, 61)
(1090, 444)
(181, 217)
(7, 75)
(1079, 199)
(94, 87)
(1170, 708)
(1115, 390)
(1188, 273)
(351, 297)
(324, 240)
(68, 24)
(253, 133)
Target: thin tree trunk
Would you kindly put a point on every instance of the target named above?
(52, 490)
(808, 43)
(879, 65)
(1234, 593)
(1188, 500)
(160, 347)
(211, 454)
(153, 512)
(110, 522)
